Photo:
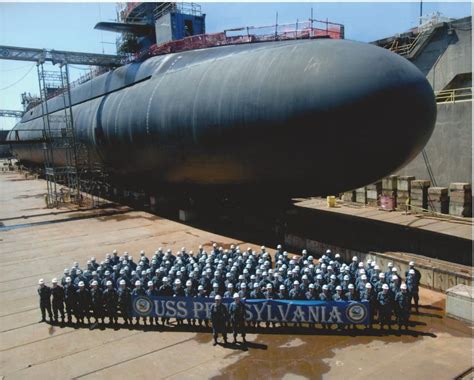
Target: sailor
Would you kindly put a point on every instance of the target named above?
(219, 318)
(413, 287)
(110, 301)
(69, 299)
(338, 296)
(125, 302)
(82, 303)
(178, 292)
(269, 293)
(230, 291)
(402, 306)
(237, 317)
(215, 290)
(283, 293)
(150, 293)
(311, 294)
(97, 304)
(351, 294)
(368, 295)
(395, 285)
(385, 307)
(57, 291)
(165, 290)
(138, 291)
(411, 266)
(325, 296)
(295, 292)
(44, 293)
(66, 275)
(243, 292)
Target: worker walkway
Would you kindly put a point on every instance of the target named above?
(437, 347)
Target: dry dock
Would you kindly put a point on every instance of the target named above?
(37, 242)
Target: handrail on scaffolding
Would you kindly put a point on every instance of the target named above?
(248, 34)
(454, 95)
(408, 48)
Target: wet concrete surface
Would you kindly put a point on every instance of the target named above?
(436, 347)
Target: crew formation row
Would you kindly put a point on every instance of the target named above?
(105, 289)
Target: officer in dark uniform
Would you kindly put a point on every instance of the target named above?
(237, 318)
(97, 304)
(44, 293)
(402, 306)
(110, 301)
(125, 301)
(82, 303)
(219, 318)
(57, 291)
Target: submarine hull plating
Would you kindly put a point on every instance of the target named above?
(293, 118)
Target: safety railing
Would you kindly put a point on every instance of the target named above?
(407, 49)
(281, 32)
(454, 95)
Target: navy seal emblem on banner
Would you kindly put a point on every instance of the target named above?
(142, 306)
(356, 312)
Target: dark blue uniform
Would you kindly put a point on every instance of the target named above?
(402, 308)
(139, 292)
(125, 304)
(237, 318)
(44, 293)
(58, 302)
(385, 309)
(110, 302)
(97, 305)
(219, 318)
(70, 300)
(82, 305)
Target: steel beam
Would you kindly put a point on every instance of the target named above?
(17, 53)
(11, 113)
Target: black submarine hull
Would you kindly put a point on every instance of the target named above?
(292, 118)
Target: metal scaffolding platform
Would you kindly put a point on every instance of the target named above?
(18, 53)
(70, 173)
(11, 113)
(59, 148)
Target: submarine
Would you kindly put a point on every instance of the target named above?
(282, 118)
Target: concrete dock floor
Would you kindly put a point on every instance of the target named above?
(36, 243)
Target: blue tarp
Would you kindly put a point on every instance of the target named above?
(257, 310)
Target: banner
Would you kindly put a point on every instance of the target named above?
(256, 310)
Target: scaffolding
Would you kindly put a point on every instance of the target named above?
(71, 174)
(59, 148)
